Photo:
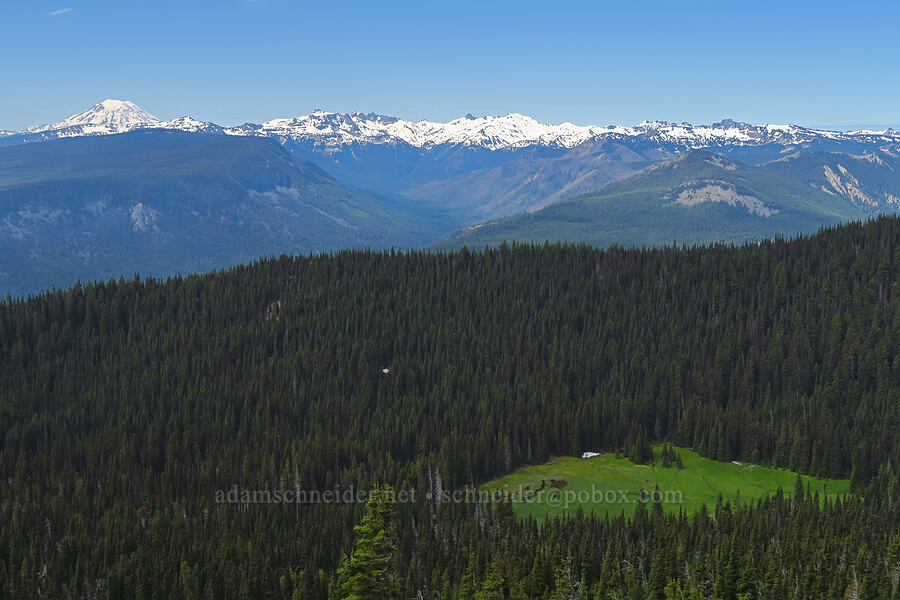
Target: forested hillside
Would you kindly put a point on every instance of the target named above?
(165, 202)
(125, 406)
(700, 198)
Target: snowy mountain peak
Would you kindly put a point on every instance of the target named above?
(110, 104)
(107, 117)
(190, 124)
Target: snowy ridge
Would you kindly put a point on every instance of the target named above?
(191, 125)
(512, 131)
(519, 131)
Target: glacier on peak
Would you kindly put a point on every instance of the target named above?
(111, 116)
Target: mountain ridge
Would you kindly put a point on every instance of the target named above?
(697, 197)
(512, 131)
(744, 183)
(166, 202)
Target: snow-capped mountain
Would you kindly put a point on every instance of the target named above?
(106, 118)
(191, 125)
(513, 131)
(111, 117)
(732, 132)
(495, 133)
(519, 131)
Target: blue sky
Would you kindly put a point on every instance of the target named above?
(230, 61)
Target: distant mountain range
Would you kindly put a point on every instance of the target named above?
(165, 202)
(116, 190)
(478, 167)
(512, 131)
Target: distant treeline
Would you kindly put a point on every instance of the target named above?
(125, 406)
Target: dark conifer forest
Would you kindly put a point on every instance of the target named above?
(127, 406)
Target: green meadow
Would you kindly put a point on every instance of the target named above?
(610, 485)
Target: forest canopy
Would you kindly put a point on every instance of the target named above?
(125, 405)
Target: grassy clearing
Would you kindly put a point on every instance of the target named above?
(609, 485)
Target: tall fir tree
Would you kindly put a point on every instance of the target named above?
(369, 572)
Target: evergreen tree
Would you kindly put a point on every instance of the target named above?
(369, 572)
(494, 585)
